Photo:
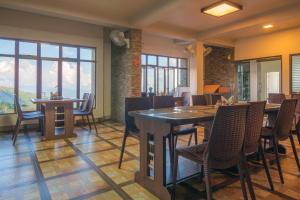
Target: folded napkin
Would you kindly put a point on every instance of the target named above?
(229, 101)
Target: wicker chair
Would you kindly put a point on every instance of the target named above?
(132, 104)
(297, 115)
(199, 100)
(276, 98)
(88, 111)
(83, 104)
(255, 116)
(26, 116)
(169, 102)
(282, 131)
(223, 150)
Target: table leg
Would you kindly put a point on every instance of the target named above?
(49, 128)
(152, 181)
(69, 120)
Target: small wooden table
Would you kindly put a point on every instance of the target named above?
(50, 114)
(154, 126)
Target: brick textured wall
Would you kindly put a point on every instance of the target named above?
(219, 69)
(125, 73)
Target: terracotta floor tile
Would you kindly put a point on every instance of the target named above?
(16, 175)
(28, 192)
(106, 157)
(110, 195)
(135, 191)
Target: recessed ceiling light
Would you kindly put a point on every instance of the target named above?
(221, 8)
(268, 26)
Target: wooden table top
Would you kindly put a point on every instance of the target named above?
(48, 100)
(186, 114)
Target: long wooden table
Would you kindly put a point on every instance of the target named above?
(49, 107)
(155, 125)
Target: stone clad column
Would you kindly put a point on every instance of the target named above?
(125, 73)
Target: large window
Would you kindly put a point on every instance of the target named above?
(295, 73)
(35, 69)
(163, 74)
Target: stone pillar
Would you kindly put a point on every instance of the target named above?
(125, 73)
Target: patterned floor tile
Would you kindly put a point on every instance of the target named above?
(28, 192)
(129, 141)
(125, 174)
(110, 195)
(17, 175)
(107, 157)
(134, 149)
(75, 185)
(59, 167)
(135, 191)
(84, 139)
(53, 154)
(14, 160)
(112, 135)
(49, 144)
(93, 147)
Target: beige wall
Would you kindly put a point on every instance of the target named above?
(21, 25)
(281, 43)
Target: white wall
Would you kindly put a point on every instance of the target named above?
(22, 25)
(153, 44)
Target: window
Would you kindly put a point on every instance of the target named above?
(295, 62)
(163, 74)
(35, 69)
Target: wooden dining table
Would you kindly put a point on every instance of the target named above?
(155, 173)
(49, 107)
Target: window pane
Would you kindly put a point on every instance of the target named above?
(7, 47)
(150, 79)
(163, 61)
(152, 60)
(144, 85)
(161, 81)
(182, 78)
(49, 77)
(49, 50)
(69, 52)
(143, 59)
(27, 83)
(295, 73)
(28, 48)
(69, 79)
(171, 81)
(182, 63)
(7, 74)
(87, 54)
(173, 62)
(87, 77)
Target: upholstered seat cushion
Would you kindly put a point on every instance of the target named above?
(32, 115)
(80, 112)
(184, 129)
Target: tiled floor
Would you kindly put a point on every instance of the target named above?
(86, 167)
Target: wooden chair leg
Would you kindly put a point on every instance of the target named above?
(122, 149)
(262, 155)
(17, 132)
(176, 140)
(42, 121)
(175, 166)
(207, 182)
(295, 151)
(242, 181)
(94, 122)
(88, 119)
(83, 121)
(277, 160)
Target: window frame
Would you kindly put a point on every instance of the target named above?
(166, 72)
(17, 56)
(291, 72)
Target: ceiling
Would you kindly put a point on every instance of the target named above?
(179, 19)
